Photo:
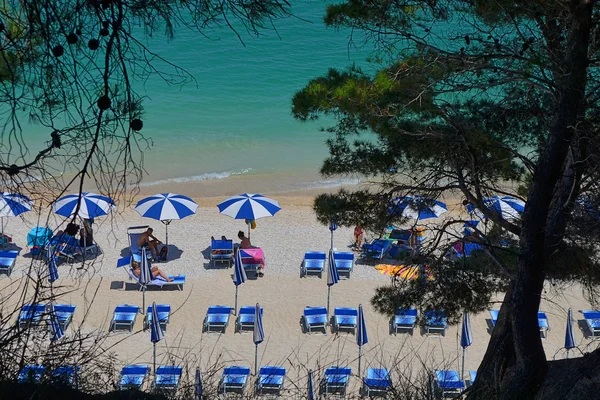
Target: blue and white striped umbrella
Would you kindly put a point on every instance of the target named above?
(239, 275)
(198, 389)
(311, 386)
(417, 207)
(52, 267)
(361, 333)
(249, 206)
(145, 276)
(507, 207)
(55, 326)
(333, 276)
(156, 333)
(13, 204)
(569, 334)
(258, 335)
(166, 206)
(92, 205)
(466, 338)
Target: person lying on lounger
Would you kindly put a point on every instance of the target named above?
(148, 240)
(135, 268)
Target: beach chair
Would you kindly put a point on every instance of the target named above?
(344, 261)
(449, 383)
(133, 376)
(315, 318)
(404, 319)
(494, 316)
(221, 251)
(31, 374)
(336, 380)
(377, 382)
(245, 318)
(133, 234)
(234, 379)
(314, 263)
(167, 378)
(124, 317)
(592, 320)
(164, 316)
(472, 377)
(435, 322)
(65, 375)
(345, 318)
(217, 317)
(377, 249)
(125, 263)
(31, 315)
(543, 324)
(270, 380)
(7, 261)
(64, 313)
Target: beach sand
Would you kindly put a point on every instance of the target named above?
(281, 292)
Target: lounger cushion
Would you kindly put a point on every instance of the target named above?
(406, 317)
(593, 318)
(449, 379)
(543, 320)
(168, 376)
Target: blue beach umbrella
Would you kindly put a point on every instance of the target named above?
(507, 207)
(52, 266)
(361, 334)
(466, 339)
(258, 335)
(156, 333)
(13, 204)
(417, 207)
(333, 277)
(92, 205)
(249, 206)
(55, 326)
(166, 207)
(198, 389)
(311, 386)
(239, 275)
(145, 276)
(569, 334)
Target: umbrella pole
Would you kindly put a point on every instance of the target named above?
(154, 354)
(567, 354)
(328, 294)
(462, 376)
(236, 295)
(255, 359)
(2, 218)
(359, 356)
(143, 299)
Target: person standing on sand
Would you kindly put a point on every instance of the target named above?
(358, 236)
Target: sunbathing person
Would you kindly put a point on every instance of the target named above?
(245, 242)
(148, 241)
(135, 268)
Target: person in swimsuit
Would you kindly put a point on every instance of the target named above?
(147, 240)
(155, 272)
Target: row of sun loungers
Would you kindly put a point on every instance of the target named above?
(315, 261)
(66, 374)
(32, 315)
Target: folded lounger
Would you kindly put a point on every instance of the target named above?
(377, 382)
(344, 261)
(31, 315)
(164, 316)
(592, 320)
(167, 377)
(221, 251)
(64, 313)
(234, 379)
(125, 263)
(336, 380)
(217, 317)
(7, 261)
(133, 376)
(270, 380)
(31, 374)
(314, 263)
(449, 382)
(65, 375)
(404, 319)
(245, 318)
(376, 249)
(315, 318)
(345, 318)
(435, 322)
(124, 317)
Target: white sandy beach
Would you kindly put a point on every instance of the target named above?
(281, 292)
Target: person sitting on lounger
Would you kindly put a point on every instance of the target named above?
(135, 268)
(147, 240)
(245, 242)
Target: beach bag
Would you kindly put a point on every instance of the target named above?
(162, 256)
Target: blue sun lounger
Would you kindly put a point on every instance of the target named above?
(592, 320)
(167, 378)
(217, 317)
(65, 375)
(376, 249)
(234, 379)
(314, 263)
(133, 376)
(7, 261)
(345, 318)
(221, 251)
(124, 317)
(494, 316)
(125, 263)
(336, 380)
(31, 374)
(344, 261)
(164, 316)
(543, 324)
(245, 318)
(377, 382)
(31, 315)
(404, 319)
(472, 377)
(435, 322)
(64, 313)
(449, 382)
(270, 380)
(315, 318)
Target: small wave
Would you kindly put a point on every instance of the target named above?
(203, 177)
(328, 183)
